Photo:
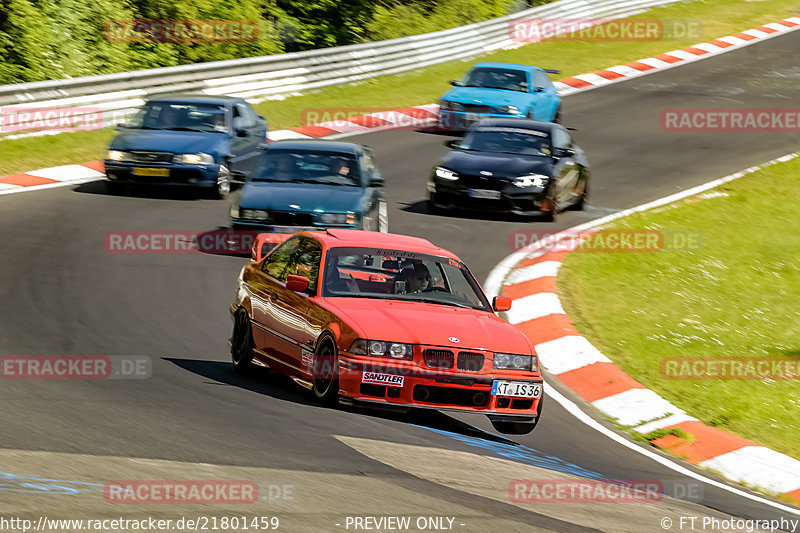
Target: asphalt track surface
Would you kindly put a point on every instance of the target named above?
(63, 294)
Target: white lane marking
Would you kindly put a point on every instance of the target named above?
(736, 41)
(494, 283)
(45, 186)
(9, 186)
(758, 33)
(624, 70)
(653, 62)
(569, 352)
(667, 421)
(539, 270)
(760, 466)
(279, 135)
(636, 406)
(592, 78)
(683, 54)
(534, 306)
(66, 173)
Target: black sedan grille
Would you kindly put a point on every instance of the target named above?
(438, 358)
(483, 182)
(289, 218)
(469, 361)
(151, 157)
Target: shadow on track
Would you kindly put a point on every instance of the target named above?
(164, 192)
(280, 387)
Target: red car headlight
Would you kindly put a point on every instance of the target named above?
(507, 361)
(394, 350)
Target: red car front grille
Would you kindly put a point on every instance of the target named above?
(438, 358)
(470, 361)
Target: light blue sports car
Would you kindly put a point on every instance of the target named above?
(500, 90)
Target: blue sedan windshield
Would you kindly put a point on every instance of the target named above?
(180, 117)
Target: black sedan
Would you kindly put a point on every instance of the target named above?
(523, 167)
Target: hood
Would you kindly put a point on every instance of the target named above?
(481, 96)
(431, 324)
(187, 142)
(308, 197)
(500, 165)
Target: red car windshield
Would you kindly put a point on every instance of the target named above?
(401, 275)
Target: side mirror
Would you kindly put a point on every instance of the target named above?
(296, 283)
(501, 303)
(375, 181)
(453, 143)
(264, 244)
(538, 89)
(241, 132)
(121, 126)
(563, 152)
(456, 83)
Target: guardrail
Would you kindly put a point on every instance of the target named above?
(116, 96)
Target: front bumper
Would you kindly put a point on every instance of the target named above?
(453, 195)
(434, 389)
(177, 174)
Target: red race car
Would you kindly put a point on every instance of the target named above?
(377, 317)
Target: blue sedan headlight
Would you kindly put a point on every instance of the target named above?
(194, 159)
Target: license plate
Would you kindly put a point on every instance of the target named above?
(516, 389)
(145, 171)
(484, 194)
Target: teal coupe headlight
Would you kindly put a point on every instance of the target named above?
(338, 218)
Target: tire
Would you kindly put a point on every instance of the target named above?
(242, 342)
(325, 388)
(113, 187)
(223, 187)
(550, 216)
(557, 117)
(581, 203)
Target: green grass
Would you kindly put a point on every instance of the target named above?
(424, 86)
(734, 296)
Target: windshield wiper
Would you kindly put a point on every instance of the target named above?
(440, 302)
(326, 182)
(502, 89)
(183, 128)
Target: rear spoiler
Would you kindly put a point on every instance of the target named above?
(551, 71)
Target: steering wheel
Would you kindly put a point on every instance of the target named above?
(435, 289)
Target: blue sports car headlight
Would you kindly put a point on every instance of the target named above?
(508, 109)
(451, 106)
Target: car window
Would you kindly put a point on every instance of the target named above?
(542, 80)
(497, 78)
(306, 262)
(368, 163)
(561, 138)
(507, 140)
(276, 262)
(310, 166)
(243, 117)
(180, 116)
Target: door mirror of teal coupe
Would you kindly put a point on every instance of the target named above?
(296, 283)
(456, 83)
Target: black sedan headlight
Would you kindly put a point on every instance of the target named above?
(508, 361)
(446, 174)
(394, 350)
(536, 181)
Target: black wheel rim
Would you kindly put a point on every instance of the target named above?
(240, 341)
(323, 377)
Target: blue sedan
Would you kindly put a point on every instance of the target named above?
(499, 90)
(187, 140)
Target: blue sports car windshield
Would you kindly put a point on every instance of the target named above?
(180, 117)
(507, 140)
(309, 166)
(497, 78)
